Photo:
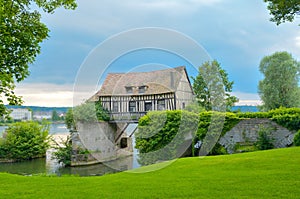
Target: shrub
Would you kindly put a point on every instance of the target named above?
(63, 151)
(218, 150)
(264, 140)
(25, 140)
(297, 139)
(86, 112)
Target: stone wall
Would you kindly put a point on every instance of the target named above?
(246, 131)
(99, 139)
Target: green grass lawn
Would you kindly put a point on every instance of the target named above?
(263, 174)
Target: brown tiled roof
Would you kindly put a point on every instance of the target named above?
(155, 82)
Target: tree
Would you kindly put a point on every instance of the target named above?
(21, 32)
(69, 120)
(55, 116)
(279, 88)
(86, 112)
(283, 10)
(264, 140)
(297, 139)
(212, 87)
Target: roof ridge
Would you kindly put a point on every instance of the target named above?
(119, 73)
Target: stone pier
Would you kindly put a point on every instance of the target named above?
(96, 142)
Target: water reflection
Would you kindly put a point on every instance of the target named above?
(51, 167)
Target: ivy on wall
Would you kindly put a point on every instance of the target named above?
(161, 133)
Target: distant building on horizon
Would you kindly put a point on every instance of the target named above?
(20, 114)
(42, 115)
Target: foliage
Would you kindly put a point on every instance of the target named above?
(86, 112)
(283, 10)
(21, 32)
(297, 139)
(55, 116)
(69, 120)
(63, 153)
(161, 135)
(227, 121)
(25, 140)
(64, 150)
(212, 87)
(101, 113)
(240, 148)
(89, 112)
(157, 129)
(218, 149)
(264, 140)
(194, 107)
(279, 88)
(153, 134)
(286, 117)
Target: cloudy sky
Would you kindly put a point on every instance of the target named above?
(237, 33)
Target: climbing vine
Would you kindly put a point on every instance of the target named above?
(159, 130)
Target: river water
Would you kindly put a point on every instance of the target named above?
(50, 167)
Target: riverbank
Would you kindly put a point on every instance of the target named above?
(262, 174)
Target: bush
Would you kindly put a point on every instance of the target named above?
(218, 150)
(297, 139)
(63, 151)
(25, 140)
(264, 140)
(86, 112)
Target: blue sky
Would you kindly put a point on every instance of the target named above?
(237, 33)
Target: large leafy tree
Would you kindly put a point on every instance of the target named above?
(21, 32)
(283, 10)
(212, 87)
(280, 84)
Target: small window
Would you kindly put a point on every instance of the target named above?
(183, 105)
(132, 106)
(161, 104)
(123, 143)
(142, 89)
(148, 106)
(129, 89)
(115, 107)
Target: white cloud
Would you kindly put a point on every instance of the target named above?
(297, 39)
(247, 98)
(51, 95)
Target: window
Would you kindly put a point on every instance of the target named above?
(132, 106)
(183, 105)
(142, 89)
(123, 143)
(115, 107)
(148, 106)
(129, 89)
(161, 104)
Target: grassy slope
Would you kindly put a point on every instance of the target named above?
(264, 174)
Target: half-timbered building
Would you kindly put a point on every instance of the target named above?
(128, 96)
